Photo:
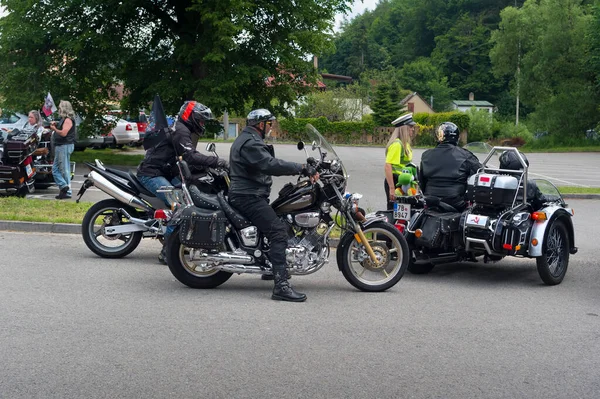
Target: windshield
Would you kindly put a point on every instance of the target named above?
(317, 141)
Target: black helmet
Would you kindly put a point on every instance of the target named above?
(447, 132)
(193, 114)
(259, 115)
(509, 160)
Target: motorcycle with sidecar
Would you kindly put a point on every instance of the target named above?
(500, 221)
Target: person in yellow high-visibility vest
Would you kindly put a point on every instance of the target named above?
(397, 154)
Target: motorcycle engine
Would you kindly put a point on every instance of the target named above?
(300, 253)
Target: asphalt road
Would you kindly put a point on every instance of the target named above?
(75, 325)
(365, 167)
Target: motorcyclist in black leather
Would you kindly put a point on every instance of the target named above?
(252, 163)
(445, 169)
(159, 165)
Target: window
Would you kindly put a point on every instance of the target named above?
(411, 107)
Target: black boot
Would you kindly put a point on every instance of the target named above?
(162, 257)
(283, 291)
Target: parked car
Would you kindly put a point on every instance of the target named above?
(141, 120)
(11, 120)
(123, 132)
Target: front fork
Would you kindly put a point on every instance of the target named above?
(359, 235)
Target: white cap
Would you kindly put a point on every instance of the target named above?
(404, 120)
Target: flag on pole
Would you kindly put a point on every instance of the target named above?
(158, 114)
(49, 106)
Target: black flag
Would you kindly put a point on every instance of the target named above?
(158, 114)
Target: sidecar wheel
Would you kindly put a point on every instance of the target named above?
(92, 229)
(186, 270)
(391, 250)
(552, 265)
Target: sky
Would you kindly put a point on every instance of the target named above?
(357, 8)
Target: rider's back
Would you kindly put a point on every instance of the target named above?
(444, 173)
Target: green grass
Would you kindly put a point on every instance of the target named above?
(562, 149)
(108, 157)
(37, 210)
(578, 190)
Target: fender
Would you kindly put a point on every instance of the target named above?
(538, 231)
(372, 218)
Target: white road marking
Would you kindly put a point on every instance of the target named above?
(560, 180)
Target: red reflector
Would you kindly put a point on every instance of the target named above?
(160, 214)
(400, 227)
(484, 179)
(27, 161)
(128, 127)
(507, 246)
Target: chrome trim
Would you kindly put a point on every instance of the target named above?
(109, 188)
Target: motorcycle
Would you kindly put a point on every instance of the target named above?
(212, 240)
(500, 221)
(17, 170)
(113, 228)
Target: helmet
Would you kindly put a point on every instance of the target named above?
(193, 114)
(509, 160)
(447, 132)
(259, 115)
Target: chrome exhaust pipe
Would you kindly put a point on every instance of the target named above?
(109, 188)
(225, 257)
(240, 269)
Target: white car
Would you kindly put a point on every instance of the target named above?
(124, 132)
(11, 120)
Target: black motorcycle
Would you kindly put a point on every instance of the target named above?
(17, 169)
(212, 240)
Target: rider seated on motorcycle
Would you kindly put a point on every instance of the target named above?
(159, 165)
(510, 161)
(445, 169)
(252, 163)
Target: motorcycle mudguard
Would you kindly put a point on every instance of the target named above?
(538, 231)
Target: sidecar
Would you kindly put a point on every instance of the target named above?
(509, 215)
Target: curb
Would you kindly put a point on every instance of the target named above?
(65, 228)
(40, 227)
(581, 196)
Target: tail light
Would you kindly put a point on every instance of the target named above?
(27, 161)
(128, 127)
(400, 225)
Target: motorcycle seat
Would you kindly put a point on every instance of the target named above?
(436, 202)
(236, 218)
(203, 200)
(130, 177)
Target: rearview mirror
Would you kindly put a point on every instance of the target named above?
(210, 147)
(300, 145)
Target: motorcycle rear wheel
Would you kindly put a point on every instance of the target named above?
(389, 246)
(184, 269)
(92, 229)
(552, 265)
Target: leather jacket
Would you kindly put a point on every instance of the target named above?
(252, 163)
(444, 172)
(160, 160)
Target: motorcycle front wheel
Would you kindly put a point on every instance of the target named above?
(106, 213)
(391, 251)
(191, 272)
(552, 265)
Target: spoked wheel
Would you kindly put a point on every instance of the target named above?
(98, 217)
(391, 252)
(191, 272)
(552, 265)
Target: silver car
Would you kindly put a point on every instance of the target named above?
(11, 120)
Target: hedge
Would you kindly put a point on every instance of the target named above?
(461, 119)
(294, 128)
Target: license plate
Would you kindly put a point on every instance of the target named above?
(401, 211)
(28, 170)
(477, 220)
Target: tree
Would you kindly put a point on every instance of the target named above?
(386, 105)
(344, 103)
(216, 51)
(547, 39)
(427, 79)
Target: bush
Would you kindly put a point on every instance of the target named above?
(480, 125)
(425, 137)
(343, 131)
(461, 119)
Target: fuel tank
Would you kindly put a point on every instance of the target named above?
(295, 197)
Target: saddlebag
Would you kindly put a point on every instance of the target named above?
(202, 228)
(437, 229)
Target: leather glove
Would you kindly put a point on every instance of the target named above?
(308, 171)
(222, 163)
(311, 161)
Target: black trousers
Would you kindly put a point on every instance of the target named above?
(260, 213)
(386, 186)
